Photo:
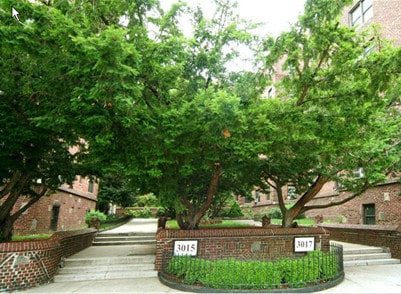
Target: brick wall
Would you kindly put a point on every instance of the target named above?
(73, 202)
(261, 243)
(25, 265)
(387, 13)
(371, 235)
(386, 198)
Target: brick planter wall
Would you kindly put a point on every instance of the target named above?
(241, 243)
(25, 265)
(371, 235)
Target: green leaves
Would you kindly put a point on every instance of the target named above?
(334, 111)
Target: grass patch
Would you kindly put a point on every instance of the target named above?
(33, 237)
(301, 222)
(172, 224)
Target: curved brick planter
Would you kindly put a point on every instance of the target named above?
(196, 289)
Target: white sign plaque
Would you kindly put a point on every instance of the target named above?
(185, 248)
(304, 244)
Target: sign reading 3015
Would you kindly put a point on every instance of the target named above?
(304, 244)
(185, 247)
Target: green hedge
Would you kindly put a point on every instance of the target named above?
(234, 274)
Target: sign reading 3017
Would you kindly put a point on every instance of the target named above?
(304, 244)
(185, 247)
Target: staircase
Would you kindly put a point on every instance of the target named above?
(133, 238)
(112, 256)
(361, 255)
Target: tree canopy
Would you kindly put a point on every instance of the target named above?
(137, 98)
(335, 111)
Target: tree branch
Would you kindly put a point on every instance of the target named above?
(330, 204)
(31, 201)
(11, 184)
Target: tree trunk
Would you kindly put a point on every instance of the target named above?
(290, 214)
(288, 218)
(12, 192)
(188, 221)
(191, 218)
(6, 229)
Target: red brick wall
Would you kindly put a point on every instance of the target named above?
(263, 243)
(371, 235)
(73, 206)
(387, 13)
(386, 198)
(25, 265)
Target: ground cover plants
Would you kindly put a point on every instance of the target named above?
(314, 268)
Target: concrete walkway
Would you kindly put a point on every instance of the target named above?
(360, 279)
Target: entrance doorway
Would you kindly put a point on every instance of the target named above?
(54, 219)
(369, 214)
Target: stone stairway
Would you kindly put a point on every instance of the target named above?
(87, 269)
(112, 256)
(132, 238)
(361, 255)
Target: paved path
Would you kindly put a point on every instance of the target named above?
(360, 279)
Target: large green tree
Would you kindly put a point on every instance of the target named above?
(36, 125)
(189, 155)
(70, 75)
(335, 108)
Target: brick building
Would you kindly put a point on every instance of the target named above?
(378, 205)
(61, 211)
(386, 13)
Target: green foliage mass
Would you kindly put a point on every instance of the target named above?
(155, 111)
(246, 275)
(94, 214)
(233, 211)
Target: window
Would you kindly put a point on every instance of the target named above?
(359, 173)
(369, 214)
(361, 13)
(90, 186)
(291, 193)
(257, 196)
(54, 217)
(267, 191)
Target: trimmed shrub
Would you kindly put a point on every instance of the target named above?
(140, 213)
(236, 274)
(93, 214)
(233, 211)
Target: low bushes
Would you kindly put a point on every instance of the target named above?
(95, 215)
(140, 213)
(314, 268)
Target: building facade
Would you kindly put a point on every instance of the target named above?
(64, 210)
(385, 13)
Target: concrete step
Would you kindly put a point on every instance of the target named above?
(124, 242)
(106, 234)
(105, 275)
(348, 257)
(105, 268)
(124, 238)
(361, 255)
(362, 250)
(133, 238)
(371, 262)
(117, 260)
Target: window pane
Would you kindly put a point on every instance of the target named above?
(356, 16)
(368, 14)
(367, 4)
